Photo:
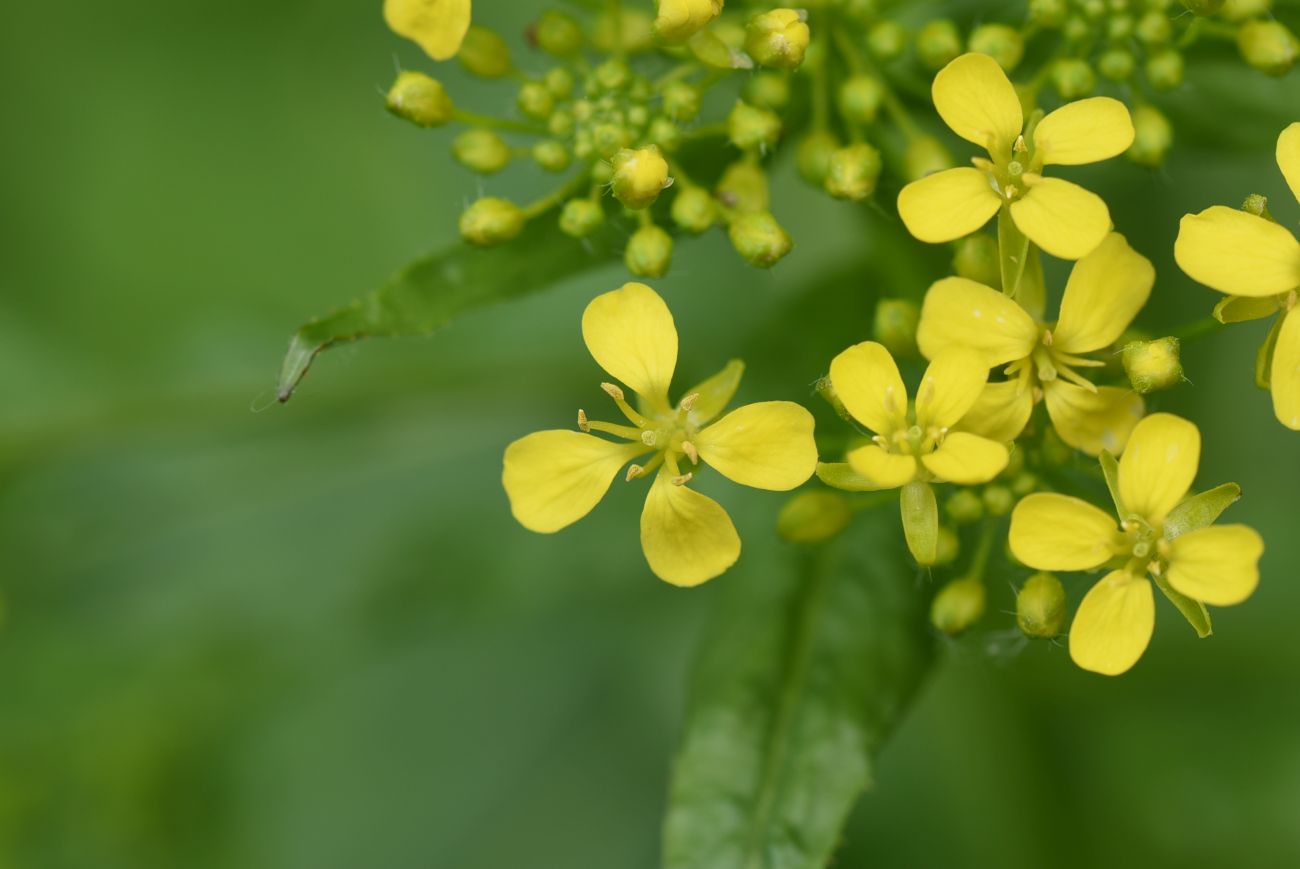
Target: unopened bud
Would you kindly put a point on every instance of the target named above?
(964, 507)
(1152, 136)
(694, 209)
(853, 172)
(627, 29)
(814, 516)
(417, 98)
(1154, 28)
(948, 548)
(814, 156)
(1203, 7)
(491, 221)
(639, 175)
(1153, 365)
(535, 100)
(1116, 64)
(958, 605)
(612, 75)
(1164, 69)
(665, 134)
(895, 325)
(559, 81)
(1120, 27)
(743, 187)
(759, 239)
(649, 252)
(925, 155)
(1000, 42)
(998, 500)
(768, 90)
(681, 101)
(1268, 46)
(778, 38)
(484, 53)
(750, 127)
(1073, 78)
(1040, 606)
(581, 217)
(859, 98)
(1243, 10)
(977, 260)
(551, 156)
(679, 20)
(887, 39)
(557, 34)
(938, 43)
(481, 150)
(1048, 13)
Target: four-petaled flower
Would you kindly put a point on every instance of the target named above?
(977, 100)
(1159, 533)
(437, 26)
(1105, 291)
(1256, 262)
(554, 478)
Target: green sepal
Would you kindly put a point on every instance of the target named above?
(1239, 309)
(1193, 610)
(920, 521)
(1264, 358)
(1200, 510)
(716, 392)
(840, 475)
(1110, 470)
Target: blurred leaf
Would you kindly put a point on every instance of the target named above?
(432, 291)
(803, 675)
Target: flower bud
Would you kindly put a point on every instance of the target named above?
(977, 260)
(535, 100)
(759, 239)
(581, 217)
(1152, 136)
(609, 139)
(1000, 42)
(814, 155)
(895, 324)
(1119, 28)
(1154, 28)
(551, 156)
(491, 221)
(1076, 29)
(948, 548)
(887, 39)
(1073, 78)
(964, 507)
(480, 150)
(601, 173)
(1237, 11)
(925, 155)
(639, 175)
(679, 20)
(743, 187)
(859, 98)
(1116, 64)
(958, 605)
(938, 43)
(1164, 69)
(694, 210)
(1023, 484)
(1048, 13)
(484, 53)
(649, 252)
(768, 90)
(1268, 46)
(1040, 606)
(920, 514)
(814, 516)
(853, 172)
(419, 99)
(559, 82)
(1153, 365)
(665, 134)
(998, 500)
(1203, 7)
(750, 127)
(557, 34)
(561, 124)
(778, 38)
(631, 30)
(681, 101)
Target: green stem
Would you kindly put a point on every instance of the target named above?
(983, 548)
(477, 120)
(555, 197)
(860, 65)
(1197, 329)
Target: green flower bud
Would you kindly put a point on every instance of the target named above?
(559, 81)
(557, 34)
(948, 548)
(895, 325)
(938, 43)
(491, 221)
(920, 521)
(480, 150)
(638, 117)
(561, 124)
(977, 260)
(743, 187)
(925, 155)
(814, 156)
(1094, 9)
(612, 75)
(1040, 606)
(759, 239)
(1165, 69)
(608, 139)
(484, 53)
(958, 605)
(1152, 137)
(552, 156)
(778, 38)
(639, 175)
(1055, 451)
(649, 252)
(1048, 13)
(1073, 78)
(814, 516)
(998, 500)
(1203, 7)
(964, 507)
(887, 39)
(1154, 28)
(749, 127)
(694, 210)
(1268, 46)
(1119, 28)
(853, 172)
(1077, 29)
(681, 101)
(665, 134)
(1237, 11)
(632, 30)
(859, 98)
(768, 90)
(1023, 484)
(1000, 42)
(581, 217)
(535, 100)
(1153, 365)
(1116, 64)
(419, 99)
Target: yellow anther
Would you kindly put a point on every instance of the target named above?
(634, 471)
(649, 438)
(582, 420)
(1047, 338)
(688, 403)
(614, 391)
(682, 479)
(1020, 147)
(691, 453)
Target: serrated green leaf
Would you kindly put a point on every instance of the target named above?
(801, 679)
(430, 292)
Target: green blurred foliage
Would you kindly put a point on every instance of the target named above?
(311, 636)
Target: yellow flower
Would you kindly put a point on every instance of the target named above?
(437, 26)
(1257, 262)
(1105, 291)
(677, 20)
(978, 102)
(1159, 533)
(554, 478)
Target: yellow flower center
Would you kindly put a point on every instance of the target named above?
(671, 434)
(912, 439)
(1047, 363)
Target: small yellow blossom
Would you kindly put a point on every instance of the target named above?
(678, 20)
(437, 26)
(1159, 533)
(1257, 263)
(978, 102)
(1105, 291)
(554, 478)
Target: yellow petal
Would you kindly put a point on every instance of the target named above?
(1237, 253)
(630, 333)
(1062, 218)
(554, 478)
(1001, 413)
(767, 445)
(1158, 465)
(687, 537)
(1218, 565)
(881, 469)
(950, 387)
(1093, 421)
(866, 380)
(963, 313)
(1086, 131)
(948, 204)
(437, 26)
(1058, 532)
(716, 392)
(1106, 290)
(966, 459)
(1113, 625)
(1285, 377)
(1288, 157)
(978, 102)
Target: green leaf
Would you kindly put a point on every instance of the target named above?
(430, 292)
(803, 675)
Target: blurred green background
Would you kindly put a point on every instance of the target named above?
(237, 634)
